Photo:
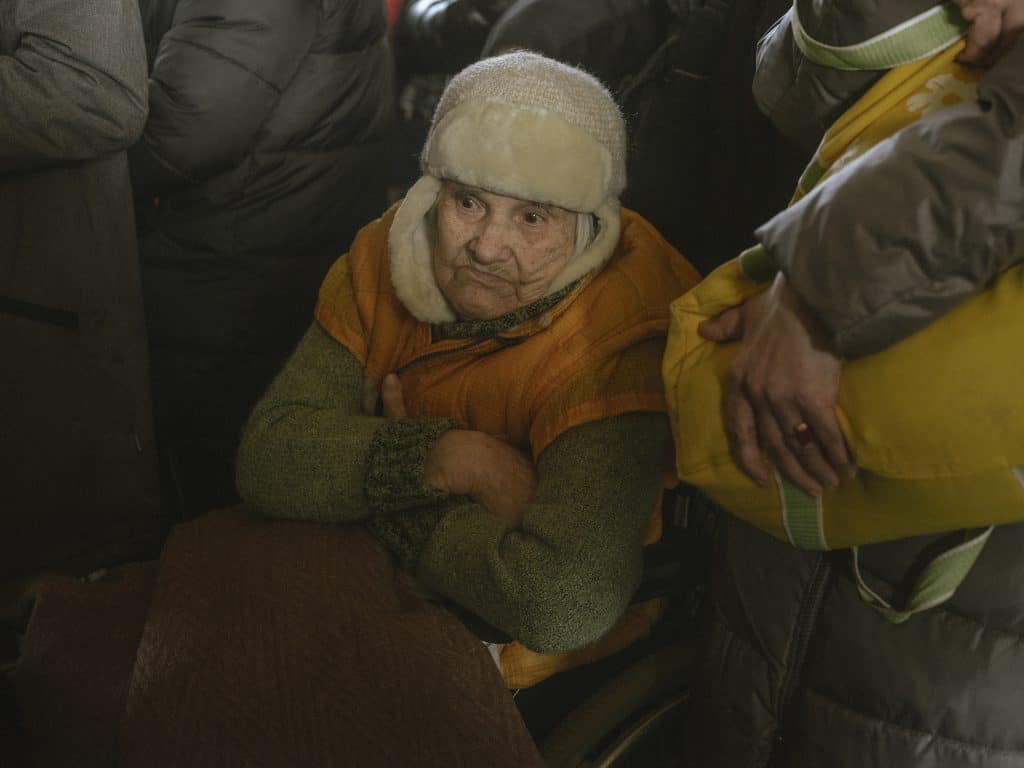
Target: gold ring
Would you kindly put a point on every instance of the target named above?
(802, 433)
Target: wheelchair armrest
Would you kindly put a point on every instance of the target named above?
(677, 564)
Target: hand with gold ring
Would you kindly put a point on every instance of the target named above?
(802, 433)
(783, 386)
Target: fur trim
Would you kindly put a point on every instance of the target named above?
(601, 248)
(410, 245)
(524, 152)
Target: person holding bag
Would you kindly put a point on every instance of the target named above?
(908, 219)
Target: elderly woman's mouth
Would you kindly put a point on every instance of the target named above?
(489, 279)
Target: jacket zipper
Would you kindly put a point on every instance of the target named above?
(501, 343)
(810, 609)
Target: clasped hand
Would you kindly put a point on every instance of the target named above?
(995, 24)
(471, 463)
(782, 391)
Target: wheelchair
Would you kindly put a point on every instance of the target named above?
(628, 710)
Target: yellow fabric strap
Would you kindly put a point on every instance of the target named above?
(921, 38)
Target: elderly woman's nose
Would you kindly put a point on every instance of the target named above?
(491, 242)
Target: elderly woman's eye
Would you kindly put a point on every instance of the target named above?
(467, 202)
(533, 217)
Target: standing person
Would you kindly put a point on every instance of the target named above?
(800, 670)
(263, 153)
(77, 460)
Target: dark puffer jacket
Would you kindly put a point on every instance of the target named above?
(263, 153)
(443, 35)
(800, 672)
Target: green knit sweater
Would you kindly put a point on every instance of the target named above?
(557, 580)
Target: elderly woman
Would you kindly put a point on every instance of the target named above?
(482, 385)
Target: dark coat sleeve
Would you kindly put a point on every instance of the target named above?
(803, 98)
(444, 35)
(923, 221)
(218, 73)
(608, 38)
(72, 80)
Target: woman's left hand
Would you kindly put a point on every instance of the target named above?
(782, 392)
(995, 24)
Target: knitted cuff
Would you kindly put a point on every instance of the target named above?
(394, 478)
(405, 534)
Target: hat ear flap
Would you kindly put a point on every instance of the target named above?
(601, 248)
(410, 251)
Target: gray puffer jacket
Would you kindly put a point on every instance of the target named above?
(799, 670)
(874, 277)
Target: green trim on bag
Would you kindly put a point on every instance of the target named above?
(812, 175)
(801, 516)
(756, 264)
(917, 38)
(934, 585)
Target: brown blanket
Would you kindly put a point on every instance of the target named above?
(273, 644)
(71, 680)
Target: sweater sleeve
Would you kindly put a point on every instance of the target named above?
(562, 577)
(218, 73)
(72, 79)
(918, 224)
(308, 451)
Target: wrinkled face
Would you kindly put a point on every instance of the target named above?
(494, 253)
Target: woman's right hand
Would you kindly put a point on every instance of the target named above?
(488, 470)
(784, 381)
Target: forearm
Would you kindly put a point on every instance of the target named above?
(917, 225)
(308, 451)
(73, 79)
(561, 577)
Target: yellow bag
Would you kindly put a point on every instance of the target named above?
(935, 423)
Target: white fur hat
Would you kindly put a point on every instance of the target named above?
(520, 125)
